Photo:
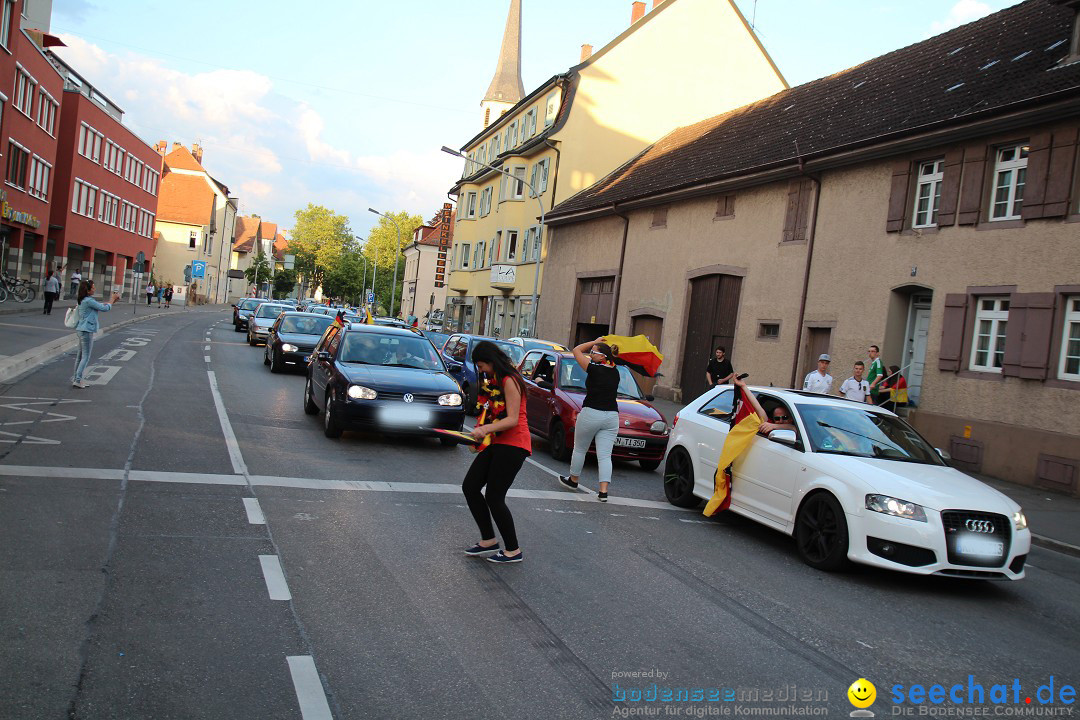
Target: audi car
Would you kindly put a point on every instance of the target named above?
(291, 339)
(851, 483)
(385, 379)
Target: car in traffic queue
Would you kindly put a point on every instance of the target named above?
(457, 353)
(384, 379)
(291, 339)
(258, 326)
(437, 338)
(534, 344)
(850, 482)
(555, 394)
(242, 311)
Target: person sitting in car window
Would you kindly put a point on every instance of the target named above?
(544, 371)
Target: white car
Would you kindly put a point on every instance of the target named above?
(850, 482)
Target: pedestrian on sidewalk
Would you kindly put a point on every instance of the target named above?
(168, 296)
(855, 387)
(875, 373)
(894, 389)
(719, 370)
(819, 381)
(87, 310)
(506, 442)
(51, 288)
(76, 282)
(149, 292)
(599, 417)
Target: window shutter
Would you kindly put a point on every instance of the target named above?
(1038, 333)
(952, 332)
(971, 185)
(730, 205)
(950, 188)
(1014, 334)
(802, 220)
(1059, 175)
(898, 205)
(1035, 179)
(792, 210)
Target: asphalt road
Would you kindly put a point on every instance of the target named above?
(160, 562)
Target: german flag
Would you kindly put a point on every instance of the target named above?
(368, 319)
(744, 427)
(637, 353)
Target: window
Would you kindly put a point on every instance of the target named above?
(516, 185)
(84, 198)
(720, 407)
(511, 245)
(149, 181)
(725, 206)
(988, 346)
(495, 147)
(24, 91)
(17, 161)
(511, 135)
(208, 245)
(478, 256)
(485, 202)
(768, 331)
(528, 125)
(470, 206)
(551, 109)
(90, 141)
(465, 255)
(113, 154)
(193, 238)
(491, 253)
(659, 216)
(531, 248)
(928, 193)
(133, 170)
(1010, 171)
(47, 112)
(1070, 341)
(109, 207)
(39, 178)
(539, 177)
(5, 23)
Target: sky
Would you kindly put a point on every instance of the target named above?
(345, 103)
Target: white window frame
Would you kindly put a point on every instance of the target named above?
(193, 240)
(26, 164)
(528, 125)
(513, 240)
(533, 237)
(466, 251)
(25, 89)
(470, 205)
(511, 135)
(495, 147)
(37, 181)
(6, 24)
(47, 107)
(551, 109)
(1014, 174)
(479, 255)
(996, 319)
(1072, 319)
(515, 184)
(928, 193)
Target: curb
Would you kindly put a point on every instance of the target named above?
(1056, 545)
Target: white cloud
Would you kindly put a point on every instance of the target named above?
(964, 11)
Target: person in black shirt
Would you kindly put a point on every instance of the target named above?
(719, 370)
(599, 416)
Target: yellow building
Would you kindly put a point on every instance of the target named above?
(682, 61)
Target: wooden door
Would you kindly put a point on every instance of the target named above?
(714, 310)
(817, 343)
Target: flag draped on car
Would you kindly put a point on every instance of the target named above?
(368, 319)
(744, 427)
(637, 353)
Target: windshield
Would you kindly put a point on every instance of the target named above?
(572, 377)
(543, 345)
(307, 325)
(437, 339)
(515, 352)
(853, 431)
(369, 348)
(270, 311)
(249, 304)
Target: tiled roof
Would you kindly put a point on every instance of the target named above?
(280, 244)
(182, 159)
(246, 231)
(268, 230)
(185, 199)
(980, 69)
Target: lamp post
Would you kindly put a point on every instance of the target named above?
(539, 249)
(393, 289)
(363, 283)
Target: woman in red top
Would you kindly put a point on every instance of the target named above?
(500, 457)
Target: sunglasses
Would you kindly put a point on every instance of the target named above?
(781, 417)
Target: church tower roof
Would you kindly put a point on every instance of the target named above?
(506, 86)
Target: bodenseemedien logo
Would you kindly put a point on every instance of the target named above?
(862, 694)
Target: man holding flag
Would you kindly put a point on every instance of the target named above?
(747, 417)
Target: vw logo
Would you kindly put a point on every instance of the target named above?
(979, 526)
(409, 398)
(626, 423)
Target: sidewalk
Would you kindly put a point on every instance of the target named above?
(1054, 518)
(29, 337)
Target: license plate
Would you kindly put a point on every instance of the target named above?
(979, 546)
(629, 442)
(405, 416)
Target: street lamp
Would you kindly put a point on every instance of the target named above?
(393, 290)
(539, 250)
(363, 283)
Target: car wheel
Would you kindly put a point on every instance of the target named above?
(266, 357)
(679, 480)
(821, 534)
(310, 408)
(331, 424)
(557, 442)
(649, 465)
(236, 327)
(251, 339)
(276, 363)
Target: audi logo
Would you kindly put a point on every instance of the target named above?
(979, 526)
(409, 398)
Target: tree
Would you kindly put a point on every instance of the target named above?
(259, 269)
(284, 282)
(317, 240)
(344, 279)
(384, 237)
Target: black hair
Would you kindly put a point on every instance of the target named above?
(876, 348)
(86, 288)
(894, 369)
(722, 349)
(606, 350)
(860, 362)
(488, 352)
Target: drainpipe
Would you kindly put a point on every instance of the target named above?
(618, 275)
(806, 274)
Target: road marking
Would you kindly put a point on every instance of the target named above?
(206, 358)
(206, 347)
(235, 457)
(275, 578)
(120, 354)
(864, 644)
(556, 473)
(309, 689)
(254, 512)
(100, 374)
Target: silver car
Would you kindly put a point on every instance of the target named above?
(260, 321)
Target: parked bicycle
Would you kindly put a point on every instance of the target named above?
(20, 290)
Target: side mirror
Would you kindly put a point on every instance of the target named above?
(454, 367)
(649, 398)
(323, 355)
(784, 437)
(546, 384)
(944, 454)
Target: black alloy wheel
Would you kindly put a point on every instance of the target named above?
(821, 534)
(331, 425)
(236, 326)
(649, 465)
(557, 444)
(679, 480)
(310, 408)
(276, 363)
(266, 357)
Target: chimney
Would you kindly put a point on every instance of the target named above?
(196, 152)
(161, 147)
(176, 146)
(637, 11)
(586, 52)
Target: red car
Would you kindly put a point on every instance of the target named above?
(555, 390)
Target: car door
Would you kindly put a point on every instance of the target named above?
(535, 407)
(447, 353)
(704, 437)
(321, 369)
(767, 475)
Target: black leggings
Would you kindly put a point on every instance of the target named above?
(496, 467)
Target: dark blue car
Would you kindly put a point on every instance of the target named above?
(458, 352)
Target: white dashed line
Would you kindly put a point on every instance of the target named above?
(309, 689)
(275, 578)
(206, 347)
(254, 511)
(206, 358)
(238, 464)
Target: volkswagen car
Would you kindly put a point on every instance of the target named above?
(457, 352)
(242, 311)
(258, 326)
(850, 482)
(291, 339)
(385, 379)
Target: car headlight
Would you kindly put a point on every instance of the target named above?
(286, 347)
(896, 507)
(359, 392)
(1019, 520)
(451, 399)
(659, 427)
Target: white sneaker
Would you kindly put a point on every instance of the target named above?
(81, 385)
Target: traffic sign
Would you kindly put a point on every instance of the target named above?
(370, 297)
(198, 268)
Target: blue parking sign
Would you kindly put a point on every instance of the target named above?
(198, 268)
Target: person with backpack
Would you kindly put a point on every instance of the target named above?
(86, 314)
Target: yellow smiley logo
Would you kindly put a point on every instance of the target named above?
(862, 693)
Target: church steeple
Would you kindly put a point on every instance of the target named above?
(506, 88)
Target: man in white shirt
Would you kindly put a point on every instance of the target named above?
(855, 387)
(819, 381)
(76, 279)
